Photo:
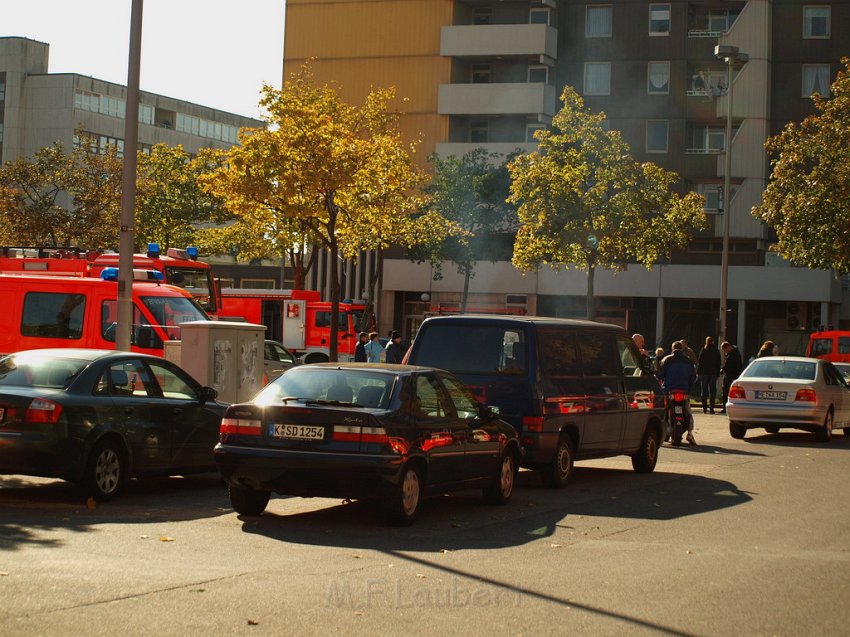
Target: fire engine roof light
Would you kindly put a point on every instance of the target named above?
(153, 250)
(109, 274)
(192, 251)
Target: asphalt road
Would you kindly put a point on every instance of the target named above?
(734, 537)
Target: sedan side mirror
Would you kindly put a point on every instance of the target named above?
(208, 394)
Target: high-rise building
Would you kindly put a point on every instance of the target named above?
(489, 73)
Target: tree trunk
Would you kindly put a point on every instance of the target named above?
(467, 273)
(333, 277)
(591, 299)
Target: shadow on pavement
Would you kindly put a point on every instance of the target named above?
(31, 506)
(797, 438)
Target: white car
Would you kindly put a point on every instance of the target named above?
(777, 392)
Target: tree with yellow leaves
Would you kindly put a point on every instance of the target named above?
(585, 202)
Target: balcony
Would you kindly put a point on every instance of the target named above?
(499, 149)
(533, 98)
(499, 40)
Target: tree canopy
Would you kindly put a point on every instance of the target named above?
(585, 202)
(807, 200)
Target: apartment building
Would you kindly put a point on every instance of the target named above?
(490, 72)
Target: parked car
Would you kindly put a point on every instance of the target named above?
(99, 417)
(573, 389)
(777, 392)
(365, 431)
(277, 359)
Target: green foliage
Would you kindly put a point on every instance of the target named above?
(807, 201)
(61, 199)
(584, 202)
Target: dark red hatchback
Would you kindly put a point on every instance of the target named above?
(391, 433)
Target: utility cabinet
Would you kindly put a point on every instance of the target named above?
(225, 355)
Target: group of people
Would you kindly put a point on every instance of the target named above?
(369, 348)
(683, 367)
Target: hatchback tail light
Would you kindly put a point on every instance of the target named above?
(241, 426)
(43, 410)
(736, 391)
(806, 395)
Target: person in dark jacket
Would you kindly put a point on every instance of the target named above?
(708, 369)
(393, 349)
(733, 365)
(360, 348)
(677, 372)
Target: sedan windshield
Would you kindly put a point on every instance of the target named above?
(329, 385)
(798, 370)
(34, 370)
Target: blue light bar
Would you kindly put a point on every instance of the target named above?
(153, 250)
(109, 274)
(192, 251)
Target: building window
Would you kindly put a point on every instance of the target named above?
(530, 129)
(482, 15)
(258, 284)
(1, 132)
(703, 140)
(539, 16)
(597, 78)
(480, 74)
(816, 22)
(538, 73)
(656, 136)
(479, 132)
(721, 20)
(659, 19)
(815, 80)
(2, 91)
(713, 194)
(658, 78)
(146, 114)
(598, 22)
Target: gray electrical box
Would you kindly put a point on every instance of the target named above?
(225, 355)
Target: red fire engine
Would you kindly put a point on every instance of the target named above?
(297, 318)
(179, 267)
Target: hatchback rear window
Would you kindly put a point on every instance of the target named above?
(472, 349)
(796, 370)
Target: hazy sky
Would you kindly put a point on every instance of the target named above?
(211, 52)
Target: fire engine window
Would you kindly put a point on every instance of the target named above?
(323, 319)
(53, 315)
(109, 319)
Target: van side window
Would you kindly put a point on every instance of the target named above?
(560, 368)
(632, 364)
(844, 344)
(821, 346)
(473, 349)
(599, 354)
(53, 315)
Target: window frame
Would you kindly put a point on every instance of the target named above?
(588, 65)
(666, 137)
(477, 128)
(540, 11)
(658, 5)
(803, 89)
(537, 67)
(807, 22)
(482, 71)
(649, 90)
(588, 9)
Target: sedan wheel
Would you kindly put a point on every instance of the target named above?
(737, 431)
(405, 499)
(106, 471)
(501, 488)
(772, 430)
(248, 501)
(824, 434)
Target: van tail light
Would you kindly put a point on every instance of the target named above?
(736, 391)
(44, 411)
(678, 395)
(806, 395)
(241, 426)
(532, 423)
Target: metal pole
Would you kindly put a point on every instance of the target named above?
(128, 184)
(727, 187)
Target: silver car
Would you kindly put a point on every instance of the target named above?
(777, 392)
(277, 360)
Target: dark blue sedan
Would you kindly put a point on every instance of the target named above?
(392, 433)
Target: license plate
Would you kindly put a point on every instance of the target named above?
(771, 395)
(298, 432)
(678, 410)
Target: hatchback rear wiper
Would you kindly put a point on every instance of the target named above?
(332, 403)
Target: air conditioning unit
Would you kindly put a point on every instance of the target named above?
(815, 319)
(795, 315)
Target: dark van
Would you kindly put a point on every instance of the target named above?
(573, 389)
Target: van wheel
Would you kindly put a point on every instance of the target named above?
(557, 473)
(646, 458)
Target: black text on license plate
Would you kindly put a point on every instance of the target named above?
(298, 432)
(771, 395)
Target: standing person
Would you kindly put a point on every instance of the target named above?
(640, 341)
(393, 349)
(733, 365)
(708, 369)
(689, 352)
(360, 349)
(656, 363)
(373, 348)
(677, 372)
(768, 348)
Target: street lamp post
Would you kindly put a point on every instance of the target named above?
(729, 54)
